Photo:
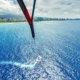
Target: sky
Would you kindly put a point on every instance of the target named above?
(44, 8)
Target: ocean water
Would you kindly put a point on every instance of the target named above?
(53, 55)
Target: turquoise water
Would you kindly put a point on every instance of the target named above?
(53, 55)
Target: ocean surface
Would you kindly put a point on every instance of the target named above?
(53, 55)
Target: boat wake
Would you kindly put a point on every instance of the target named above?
(22, 65)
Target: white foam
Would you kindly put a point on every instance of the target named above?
(22, 65)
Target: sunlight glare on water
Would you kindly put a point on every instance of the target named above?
(54, 55)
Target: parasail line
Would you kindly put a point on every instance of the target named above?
(33, 9)
(27, 16)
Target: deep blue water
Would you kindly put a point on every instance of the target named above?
(53, 55)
